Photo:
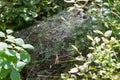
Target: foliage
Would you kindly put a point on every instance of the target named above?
(13, 56)
(17, 14)
(103, 61)
(108, 13)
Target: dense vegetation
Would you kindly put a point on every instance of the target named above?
(86, 38)
(17, 14)
(13, 56)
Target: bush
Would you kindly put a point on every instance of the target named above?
(17, 14)
(13, 56)
(107, 13)
(103, 61)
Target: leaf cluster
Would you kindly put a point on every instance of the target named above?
(17, 14)
(13, 56)
(103, 61)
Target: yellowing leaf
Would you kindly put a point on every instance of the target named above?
(75, 47)
(90, 37)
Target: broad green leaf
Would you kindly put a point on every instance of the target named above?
(9, 31)
(3, 73)
(18, 56)
(15, 75)
(7, 64)
(10, 52)
(24, 56)
(2, 34)
(3, 46)
(19, 41)
(27, 46)
(2, 52)
(12, 59)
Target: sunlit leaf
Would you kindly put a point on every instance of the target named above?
(20, 65)
(90, 37)
(69, 1)
(3, 46)
(27, 46)
(10, 52)
(108, 33)
(2, 34)
(73, 70)
(9, 31)
(98, 31)
(19, 41)
(10, 37)
(75, 47)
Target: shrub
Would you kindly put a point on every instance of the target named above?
(107, 13)
(17, 14)
(103, 61)
(13, 56)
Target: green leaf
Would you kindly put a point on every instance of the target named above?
(12, 59)
(34, 14)
(6, 64)
(9, 31)
(3, 73)
(27, 46)
(18, 56)
(10, 52)
(20, 65)
(19, 41)
(15, 75)
(3, 46)
(2, 34)
(24, 56)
